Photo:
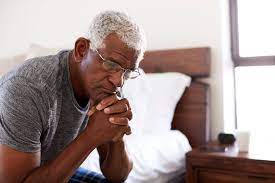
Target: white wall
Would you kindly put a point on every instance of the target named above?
(228, 72)
(168, 24)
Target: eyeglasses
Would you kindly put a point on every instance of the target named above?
(113, 67)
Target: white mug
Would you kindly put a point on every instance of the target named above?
(243, 140)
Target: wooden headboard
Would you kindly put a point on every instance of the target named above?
(192, 112)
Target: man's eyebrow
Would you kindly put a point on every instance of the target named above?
(124, 57)
(116, 60)
(123, 61)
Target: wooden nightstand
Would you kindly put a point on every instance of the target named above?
(229, 167)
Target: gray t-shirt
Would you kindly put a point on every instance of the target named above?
(38, 110)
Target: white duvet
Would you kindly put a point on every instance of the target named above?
(157, 157)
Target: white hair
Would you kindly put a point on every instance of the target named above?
(125, 27)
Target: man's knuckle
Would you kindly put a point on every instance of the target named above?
(130, 115)
(126, 120)
(125, 107)
(124, 100)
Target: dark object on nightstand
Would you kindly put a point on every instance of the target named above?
(226, 138)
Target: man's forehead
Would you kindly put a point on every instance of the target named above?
(126, 60)
(113, 43)
(113, 46)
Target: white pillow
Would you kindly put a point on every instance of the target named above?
(36, 50)
(137, 91)
(166, 90)
(7, 64)
(153, 98)
(157, 158)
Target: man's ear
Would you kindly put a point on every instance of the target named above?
(81, 49)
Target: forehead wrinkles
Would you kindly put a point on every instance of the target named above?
(113, 46)
(127, 62)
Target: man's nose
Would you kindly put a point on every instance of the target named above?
(117, 78)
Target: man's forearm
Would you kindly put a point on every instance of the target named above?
(115, 163)
(63, 167)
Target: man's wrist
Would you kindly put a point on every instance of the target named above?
(92, 140)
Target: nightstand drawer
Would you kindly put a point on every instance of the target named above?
(215, 176)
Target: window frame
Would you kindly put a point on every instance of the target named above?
(237, 59)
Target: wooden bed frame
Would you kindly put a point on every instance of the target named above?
(192, 112)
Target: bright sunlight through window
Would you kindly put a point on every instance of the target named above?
(255, 96)
(256, 27)
(255, 85)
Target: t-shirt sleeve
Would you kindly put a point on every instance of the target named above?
(20, 122)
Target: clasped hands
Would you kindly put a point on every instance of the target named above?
(109, 119)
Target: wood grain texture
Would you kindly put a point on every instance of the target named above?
(192, 112)
(192, 115)
(227, 167)
(194, 62)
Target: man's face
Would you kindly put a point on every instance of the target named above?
(97, 80)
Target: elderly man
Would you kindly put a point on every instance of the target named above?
(55, 110)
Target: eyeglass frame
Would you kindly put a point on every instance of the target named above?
(119, 92)
(137, 70)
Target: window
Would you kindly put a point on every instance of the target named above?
(253, 32)
(253, 53)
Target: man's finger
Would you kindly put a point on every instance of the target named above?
(91, 111)
(128, 131)
(107, 102)
(119, 121)
(127, 103)
(119, 107)
(127, 114)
